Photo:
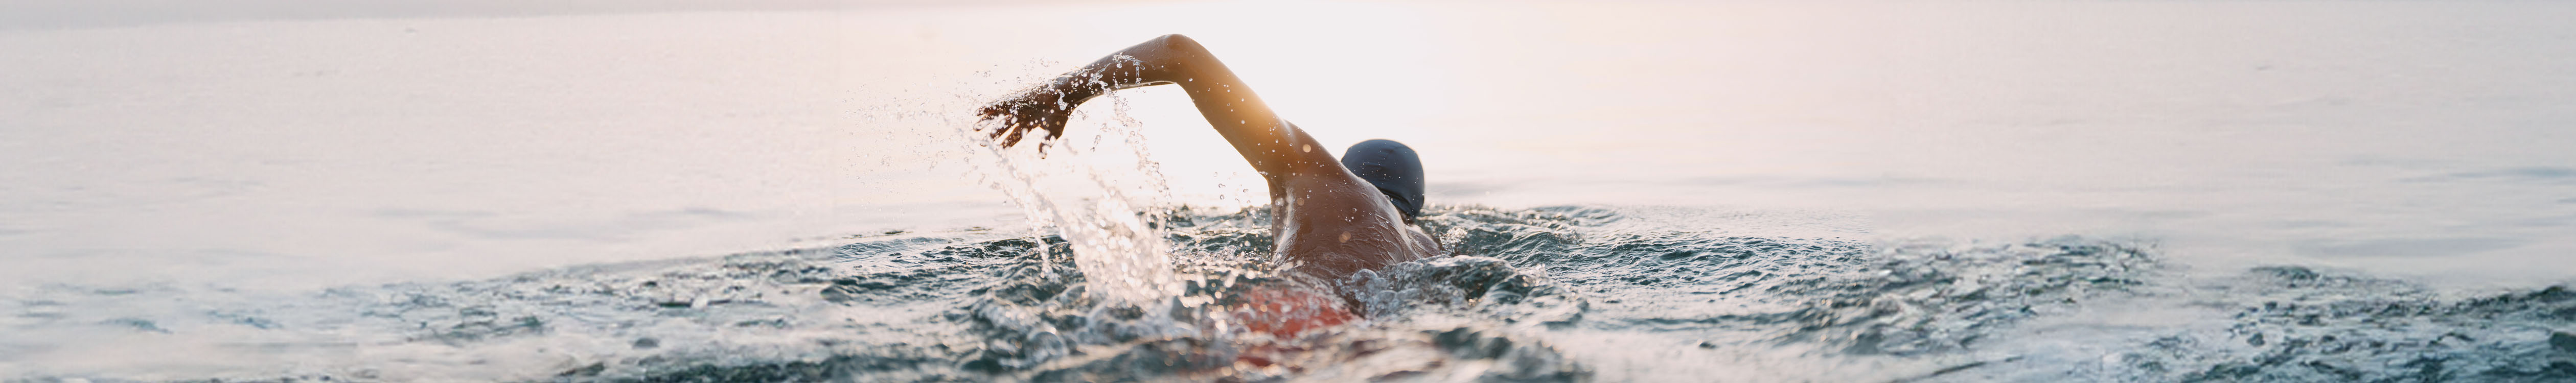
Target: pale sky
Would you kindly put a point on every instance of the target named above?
(59, 14)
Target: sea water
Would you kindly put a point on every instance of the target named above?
(1967, 191)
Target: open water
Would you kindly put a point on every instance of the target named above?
(1637, 191)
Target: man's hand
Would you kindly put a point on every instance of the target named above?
(1033, 109)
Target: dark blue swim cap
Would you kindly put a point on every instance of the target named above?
(1394, 168)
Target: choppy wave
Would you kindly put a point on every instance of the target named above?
(2290, 323)
(1536, 295)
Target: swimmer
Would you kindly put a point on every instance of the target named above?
(1331, 218)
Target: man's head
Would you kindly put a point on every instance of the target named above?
(1394, 168)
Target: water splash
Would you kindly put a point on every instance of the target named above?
(1091, 198)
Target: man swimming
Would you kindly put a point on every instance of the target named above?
(1331, 218)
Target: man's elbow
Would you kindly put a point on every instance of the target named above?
(1179, 43)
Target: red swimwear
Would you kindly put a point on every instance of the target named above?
(1284, 311)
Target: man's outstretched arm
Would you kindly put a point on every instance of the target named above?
(1274, 147)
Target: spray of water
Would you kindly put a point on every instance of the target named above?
(1097, 200)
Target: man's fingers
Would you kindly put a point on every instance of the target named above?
(1012, 122)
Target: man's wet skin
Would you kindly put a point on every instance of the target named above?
(1330, 222)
